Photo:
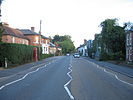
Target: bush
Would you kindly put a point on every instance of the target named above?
(104, 56)
(43, 56)
(15, 53)
(118, 56)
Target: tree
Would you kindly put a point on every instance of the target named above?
(112, 40)
(1, 2)
(1, 30)
(65, 42)
(107, 30)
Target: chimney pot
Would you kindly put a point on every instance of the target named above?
(6, 24)
(33, 29)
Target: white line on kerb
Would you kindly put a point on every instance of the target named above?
(1, 87)
(110, 73)
(65, 86)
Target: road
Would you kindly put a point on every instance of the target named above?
(66, 78)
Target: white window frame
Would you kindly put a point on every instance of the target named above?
(13, 39)
(130, 38)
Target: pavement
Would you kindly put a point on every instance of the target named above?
(128, 71)
(21, 68)
(65, 78)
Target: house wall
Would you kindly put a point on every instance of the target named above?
(13, 39)
(45, 46)
(129, 47)
(34, 40)
(45, 41)
(52, 50)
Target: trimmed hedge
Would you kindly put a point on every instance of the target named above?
(15, 53)
(43, 56)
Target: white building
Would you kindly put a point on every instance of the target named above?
(45, 45)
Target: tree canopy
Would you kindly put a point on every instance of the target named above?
(111, 40)
(65, 42)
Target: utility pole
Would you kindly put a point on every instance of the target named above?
(40, 31)
(40, 40)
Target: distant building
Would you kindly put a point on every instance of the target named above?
(83, 50)
(52, 48)
(129, 46)
(89, 44)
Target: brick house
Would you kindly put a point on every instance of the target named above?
(129, 46)
(11, 35)
(37, 40)
(32, 36)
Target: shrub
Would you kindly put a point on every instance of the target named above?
(104, 56)
(43, 56)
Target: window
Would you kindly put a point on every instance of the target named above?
(13, 39)
(130, 38)
(37, 39)
(23, 41)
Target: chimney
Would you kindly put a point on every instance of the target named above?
(33, 29)
(85, 41)
(5, 24)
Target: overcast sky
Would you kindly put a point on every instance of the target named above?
(78, 18)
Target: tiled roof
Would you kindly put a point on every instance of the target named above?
(52, 45)
(28, 32)
(44, 37)
(13, 32)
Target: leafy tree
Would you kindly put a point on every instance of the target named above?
(56, 38)
(107, 30)
(65, 42)
(1, 2)
(111, 40)
(1, 31)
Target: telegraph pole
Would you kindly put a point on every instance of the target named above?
(40, 30)
(40, 52)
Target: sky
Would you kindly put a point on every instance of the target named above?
(78, 18)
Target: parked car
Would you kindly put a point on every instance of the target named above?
(76, 55)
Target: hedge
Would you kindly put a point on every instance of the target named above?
(43, 56)
(15, 53)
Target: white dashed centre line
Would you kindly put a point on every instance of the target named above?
(65, 86)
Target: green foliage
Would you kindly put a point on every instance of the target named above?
(67, 46)
(15, 53)
(104, 56)
(111, 40)
(43, 56)
(65, 42)
(1, 31)
(58, 38)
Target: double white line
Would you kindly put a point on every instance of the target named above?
(65, 86)
(22, 78)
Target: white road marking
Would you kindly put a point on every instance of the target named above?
(65, 86)
(117, 78)
(110, 73)
(1, 87)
